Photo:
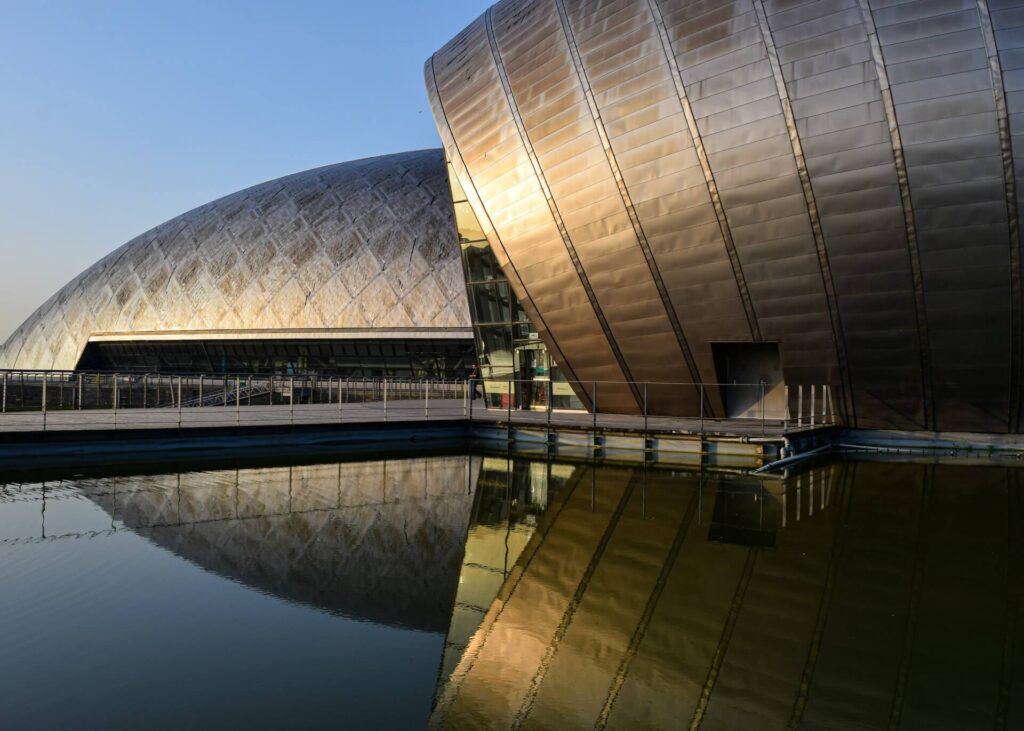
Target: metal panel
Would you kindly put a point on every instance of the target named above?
(728, 76)
(943, 99)
(666, 401)
(852, 167)
(659, 168)
(1003, 22)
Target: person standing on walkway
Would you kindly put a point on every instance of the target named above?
(474, 377)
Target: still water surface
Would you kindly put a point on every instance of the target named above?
(470, 591)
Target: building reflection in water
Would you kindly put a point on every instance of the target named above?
(860, 594)
(575, 594)
(379, 541)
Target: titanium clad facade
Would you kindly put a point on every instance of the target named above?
(656, 177)
(362, 252)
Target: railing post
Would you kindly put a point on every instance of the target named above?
(115, 402)
(800, 405)
(426, 399)
(5, 393)
(762, 409)
(813, 389)
(179, 403)
(145, 389)
(471, 382)
(79, 390)
(385, 386)
(44, 400)
(785, 413)
(645, 418)
(339, 399)
(593, 400)
(291, 400)
(510, 394)
(702, 414)
(465, 398)
(551, 397)
(238, 401)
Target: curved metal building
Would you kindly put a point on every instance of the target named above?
(361, 252)
(659, 178)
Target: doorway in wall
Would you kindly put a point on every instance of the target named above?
(745, 371)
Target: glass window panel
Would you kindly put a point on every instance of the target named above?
(525, 334)
(490, 302)
(465, 221)
(494, 349)
(481, 266)
(519, 314)
(458, 194)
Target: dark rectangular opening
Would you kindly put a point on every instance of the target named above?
(749, 373)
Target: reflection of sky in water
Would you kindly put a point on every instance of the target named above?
(857, 594)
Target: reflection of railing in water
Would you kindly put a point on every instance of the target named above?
(77, 536)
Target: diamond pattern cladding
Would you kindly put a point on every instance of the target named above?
(366, 244)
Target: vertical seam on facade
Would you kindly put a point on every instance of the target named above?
(1009, 175)
(903, 179)
(709, 176)
(563, 361)
(627, 200)
(838, 336)
(553, 207)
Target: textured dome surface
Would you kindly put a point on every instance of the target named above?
(364, 245)
(838, 177)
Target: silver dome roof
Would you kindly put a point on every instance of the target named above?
(354, 249)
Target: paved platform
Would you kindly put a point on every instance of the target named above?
(94, 433)
(376, 412)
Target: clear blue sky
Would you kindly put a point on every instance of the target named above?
(116, 116)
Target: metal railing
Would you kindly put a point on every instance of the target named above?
(49, 400)
(65, 400)
(693, 406)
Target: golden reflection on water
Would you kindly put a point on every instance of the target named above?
(861, 594)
